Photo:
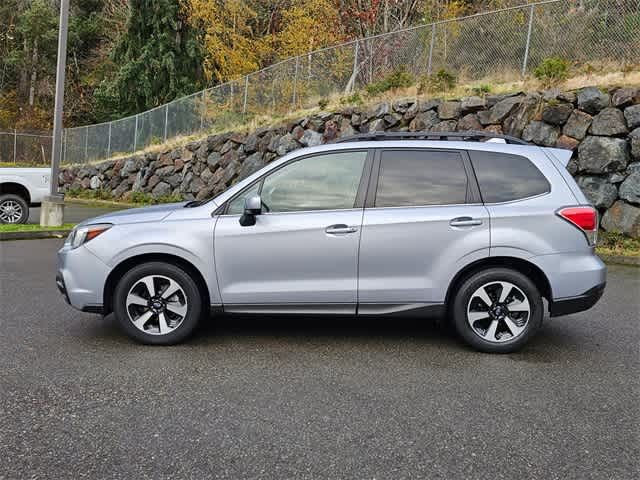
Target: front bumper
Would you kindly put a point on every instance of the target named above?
(80, 278)
(580, 303)
(62, 288)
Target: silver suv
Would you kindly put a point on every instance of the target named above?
(476, 229)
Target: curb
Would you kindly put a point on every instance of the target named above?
(5, 236)
(620, 260)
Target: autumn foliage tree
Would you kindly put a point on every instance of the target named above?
(126, 56)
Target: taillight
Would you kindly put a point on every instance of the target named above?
(585, 218)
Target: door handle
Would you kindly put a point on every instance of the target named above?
(340, 228)
(465, 222)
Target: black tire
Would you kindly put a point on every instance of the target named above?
(10, 198)
(476, 281)
(190, 292)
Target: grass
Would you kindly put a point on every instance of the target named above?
(103, 197)
(95, 203)
(12, 227)
(611, 243)
(23, 165)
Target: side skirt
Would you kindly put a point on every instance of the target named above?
(293, 308)
(364, 309)
(409, 310)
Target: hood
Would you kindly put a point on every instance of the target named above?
(154, 213)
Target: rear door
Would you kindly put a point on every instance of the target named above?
(423, 222)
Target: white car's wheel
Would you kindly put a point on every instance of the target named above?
(13, 209)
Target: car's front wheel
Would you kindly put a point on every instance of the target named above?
(157, 303)
(497, 310)
(13, 209)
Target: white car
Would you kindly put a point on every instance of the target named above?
(21, 188)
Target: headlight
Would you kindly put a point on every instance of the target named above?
(81, 235)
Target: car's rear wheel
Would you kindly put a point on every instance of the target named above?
(497, 310)
(13, 209)
(157, 303)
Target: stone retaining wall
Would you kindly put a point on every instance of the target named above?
(601, 127)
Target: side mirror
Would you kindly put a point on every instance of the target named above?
(252, 207)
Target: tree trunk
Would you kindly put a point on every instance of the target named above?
(22, 85)
(34, 66)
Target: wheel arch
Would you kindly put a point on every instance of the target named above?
(16, 188)
(525, 267)
(129, 263)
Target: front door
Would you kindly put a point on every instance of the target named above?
(301, 255)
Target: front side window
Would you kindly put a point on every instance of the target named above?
(321, 182)
(419, 178)
(504, 177)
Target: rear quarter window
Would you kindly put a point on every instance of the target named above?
(504, 177)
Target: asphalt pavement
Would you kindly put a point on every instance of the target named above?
(302, 398)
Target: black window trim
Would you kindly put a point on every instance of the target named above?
(473, 190)
(360, 194)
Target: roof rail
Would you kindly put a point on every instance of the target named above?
(471, 135)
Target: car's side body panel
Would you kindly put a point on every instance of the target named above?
(529, 229)
(407, 254)
(288, 258)
(188, 238)
(34, 180)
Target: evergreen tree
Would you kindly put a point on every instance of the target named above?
(157, 59)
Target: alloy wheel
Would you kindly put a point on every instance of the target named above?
(156, 304)
(10, 211)
(498, 312)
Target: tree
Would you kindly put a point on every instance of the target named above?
(308, 26)
(229, 41)
(157, 59)
(28, 49)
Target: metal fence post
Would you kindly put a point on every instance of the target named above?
(63, 157)
(202, 109)
(354, 74)
(433, 40)
(86, 144)
(109, 142)
(295, 83)
(166, 120)
(135, 135)
(526, 49)
(15, 144)
(246, 90)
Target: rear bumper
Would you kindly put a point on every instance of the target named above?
(580, 303)
(571, 274)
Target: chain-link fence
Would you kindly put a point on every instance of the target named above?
(504, 44)
(25, 148)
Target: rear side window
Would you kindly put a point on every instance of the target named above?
(504, 177)
(420, 177)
